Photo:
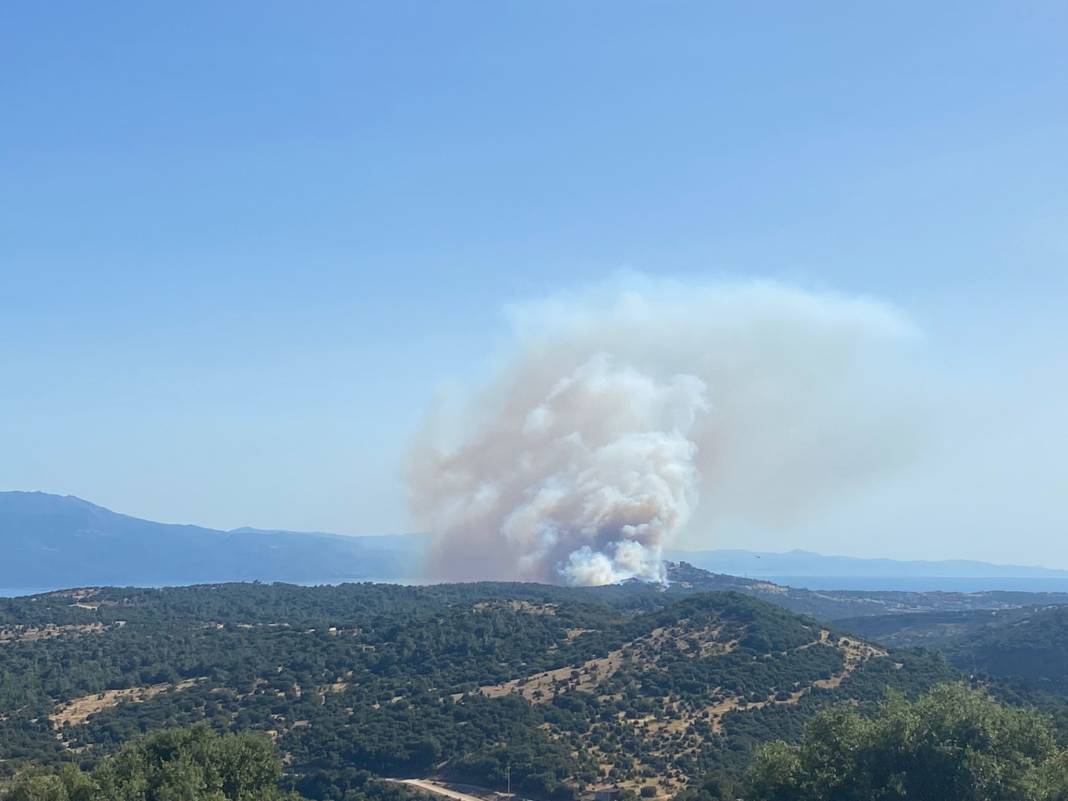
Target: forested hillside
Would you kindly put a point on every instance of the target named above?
(571, 688)
(1019, 654)
(1030, 646)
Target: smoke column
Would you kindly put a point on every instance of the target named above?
(625, 407)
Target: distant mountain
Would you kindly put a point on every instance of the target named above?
(53, 541)
(816, 571)
(62, 541)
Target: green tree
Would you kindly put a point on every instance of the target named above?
(69, 784)
(192, 765)
(954, 744)
(175, 765)
(38, 788)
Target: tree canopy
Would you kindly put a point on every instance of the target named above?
(953, 744)
(192, 764)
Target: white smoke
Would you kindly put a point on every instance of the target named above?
(624, 406)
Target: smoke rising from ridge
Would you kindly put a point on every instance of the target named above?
(631, 412)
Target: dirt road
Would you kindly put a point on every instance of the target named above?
(437, 789)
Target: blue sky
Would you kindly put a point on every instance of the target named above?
(244, 245)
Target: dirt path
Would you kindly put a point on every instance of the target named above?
(437, 789)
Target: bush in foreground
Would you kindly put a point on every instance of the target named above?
(176, 765)
(955, 744)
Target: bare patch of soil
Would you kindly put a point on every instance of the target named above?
(48, 631)
(516, 606)
(77, 711)
(644, 651)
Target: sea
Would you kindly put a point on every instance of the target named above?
(16, 592)
(922, 583)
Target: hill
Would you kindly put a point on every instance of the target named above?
(934, 629)
(574, 689)
(1029, 646)
(63, 541)
(1028, 643)
(1020, 654)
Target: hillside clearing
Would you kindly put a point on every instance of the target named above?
(78, 710)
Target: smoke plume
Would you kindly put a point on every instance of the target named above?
(624, 407)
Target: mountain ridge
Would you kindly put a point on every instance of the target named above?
(63, 541)
(54, 540)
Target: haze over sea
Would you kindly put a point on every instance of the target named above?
(922, 583)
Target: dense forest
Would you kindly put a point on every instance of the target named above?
(558, 691)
